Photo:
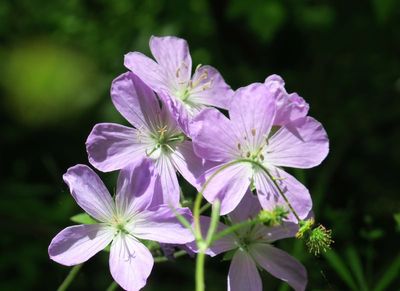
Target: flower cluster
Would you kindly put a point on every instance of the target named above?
(234, 160)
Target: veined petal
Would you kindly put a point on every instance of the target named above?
(248, 208)
(210, 88)
(76, 244)
(90, 192)
(243, 273)
(189, 164)
(161, 224)
(295, 192)
(135, 188)
(135, 101)
(252, 112)
(214, 137)
(227, 183)
(302, 143)
(222, 245)
(130, 262)
(173, 55)
(148, 71)
(284, 230)
(289, 106)
(112, 146)
(280, 265)
(168, 179)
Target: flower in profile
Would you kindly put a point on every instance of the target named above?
(251, 248)
(250, 153)
(155, 135)
(136, 214)
(289, 107)
(170, 75)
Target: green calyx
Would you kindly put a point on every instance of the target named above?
(274, 217)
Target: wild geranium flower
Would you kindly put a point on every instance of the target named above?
(170, 75)
(155, 135)
(136, 214)
(251, 248)
(245, 146)
(289, 107)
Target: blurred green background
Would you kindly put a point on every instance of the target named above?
(58, 59)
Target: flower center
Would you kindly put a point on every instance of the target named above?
(120, 223)
(164, 140)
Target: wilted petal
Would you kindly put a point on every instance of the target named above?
(228, 184)
(299, 144)
(214, 137)
(161, 224)
(281, 265)
(243, 273)
(76, 244)
(130, 262)
(135, 101)
(222, 245)
(90, 192)
(135, 188)
(168, 179)
(173, 55)
(189, 165)
(252, 111)
(112, 147)
(210, 88)
(296, 193)
(148, 71)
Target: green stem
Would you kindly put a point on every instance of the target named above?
(113, 286)
(214, 222)
(200, 258)
(165, 259)
(234, 228)
(71, 276)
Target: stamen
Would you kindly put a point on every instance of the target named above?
(261, 157)
(239, 146)
(253, 132)
(178, 72)
(248, 155)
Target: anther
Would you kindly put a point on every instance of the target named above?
(248, 155)
(253, 132)
(239, 146)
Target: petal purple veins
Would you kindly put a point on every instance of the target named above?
(228, 183)
(243, 273)
(112, 146)
(302, 143)
(90, 192)
(281, 265)
(252, 111)
(161, 224)
(130, 262)
(222, 245)
(147, 70)
(173, 55)
(135, 188)
(168, 179)
(214, 137)
(295, 192)
(189, 165)
(210, 88)
(76, 244)
(135, 101)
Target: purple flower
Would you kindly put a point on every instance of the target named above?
(135, 214)
(247, 142)
(171, 77)
(289, 107)
(250, 247)
(155, 135)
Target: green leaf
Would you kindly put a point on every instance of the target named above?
(229, 255)
(356, 267)
(397, 219)
(391, 274)
(341, 269)
(83, 218)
